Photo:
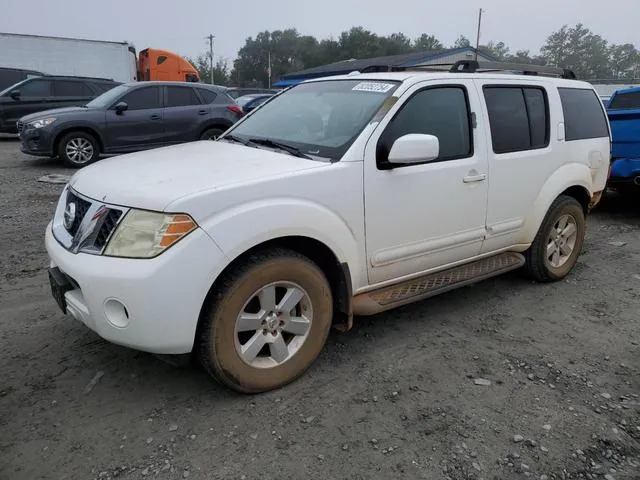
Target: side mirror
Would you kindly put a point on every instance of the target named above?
(414, 148)
(121, 107)
(15, 94)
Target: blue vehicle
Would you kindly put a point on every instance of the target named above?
(624, 116)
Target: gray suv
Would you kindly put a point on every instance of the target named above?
(127, 118)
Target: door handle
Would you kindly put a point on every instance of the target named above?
(202, 112)
(475, 178)
(155, 117)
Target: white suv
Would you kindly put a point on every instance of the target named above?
(340, 196)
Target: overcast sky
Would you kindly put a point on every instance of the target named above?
(181, 26)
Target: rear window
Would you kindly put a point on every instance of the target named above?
(583, 114)
(207, 95)
(71, 88)
(518, 117)
(625, 101)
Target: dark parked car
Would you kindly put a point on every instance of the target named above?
(130, 117)
(236, 92)
(11, 76)
(46, 92)
(249, 102)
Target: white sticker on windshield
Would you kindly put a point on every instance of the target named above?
(376, 87)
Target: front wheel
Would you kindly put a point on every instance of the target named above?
(78, 149)
(559, 241)
(267, 322)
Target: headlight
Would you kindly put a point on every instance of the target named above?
(42, 123)
(144, 234)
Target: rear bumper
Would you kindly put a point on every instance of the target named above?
(624, 170)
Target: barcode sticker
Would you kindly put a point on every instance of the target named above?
(375, 87)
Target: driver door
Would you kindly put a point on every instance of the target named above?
(424, 216)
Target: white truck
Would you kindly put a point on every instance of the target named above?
(341, 196)
(69, 56)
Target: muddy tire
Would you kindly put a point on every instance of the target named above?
(559, 241)
(78, 149)
(266, 322)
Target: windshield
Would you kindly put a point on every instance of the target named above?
(107, 98)
(13, 87)
(242, 101)
(321, 118)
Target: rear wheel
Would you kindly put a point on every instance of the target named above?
(78, 149)
(267, 322)
(211, 134)
(559, 241)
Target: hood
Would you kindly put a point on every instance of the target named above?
(155, 178)
(55, 112)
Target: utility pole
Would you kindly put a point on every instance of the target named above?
(210, 38)
(269, 69)
(478, 35)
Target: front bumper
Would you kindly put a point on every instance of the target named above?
(37, 141)
(151, 305)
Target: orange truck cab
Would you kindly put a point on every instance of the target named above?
(154, 64)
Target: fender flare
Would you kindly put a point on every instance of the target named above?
(230, 230)
(567, 176)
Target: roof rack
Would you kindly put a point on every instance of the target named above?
(473, 66)
(79, 77)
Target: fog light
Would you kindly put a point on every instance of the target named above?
(116, 313)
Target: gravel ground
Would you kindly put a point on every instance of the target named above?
(502, 380)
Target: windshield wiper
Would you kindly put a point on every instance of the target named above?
(281, 146)
(233, 138)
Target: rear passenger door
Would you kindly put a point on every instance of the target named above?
(184, 115)
(521, 155)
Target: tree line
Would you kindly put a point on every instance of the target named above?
(589, 55)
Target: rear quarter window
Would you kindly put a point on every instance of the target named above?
(583, 114)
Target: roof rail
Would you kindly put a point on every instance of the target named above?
(472, 66)
(80, 77)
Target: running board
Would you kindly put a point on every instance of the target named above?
(417, 289)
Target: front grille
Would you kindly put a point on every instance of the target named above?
(81, 210)
(107, 228)
(20, 126)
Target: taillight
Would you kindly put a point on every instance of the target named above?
(236, 109)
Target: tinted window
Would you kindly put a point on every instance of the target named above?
(161, 59)
(36, 88)
(207, 95)
(538, 118)
(443, 112)
(69, 88)
(625, 101)
(181, 97)
(102, 87)
(143, 98)
(583, 115)
(518, 117)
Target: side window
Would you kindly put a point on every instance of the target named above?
(625, 101)
(70, 88)
(518, 117)
(161, 59)
(207, 95)
(583, 114)
(181, 97)
(143, 98)
(442, 112)
(36, 89)
(102, 87)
